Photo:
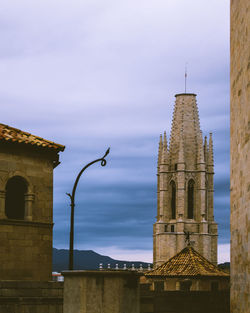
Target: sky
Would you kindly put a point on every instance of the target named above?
(94, 74)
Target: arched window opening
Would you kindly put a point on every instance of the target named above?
(173, 199)
(16, 189)
(191, 199)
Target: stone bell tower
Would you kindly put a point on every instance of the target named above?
(185, 187)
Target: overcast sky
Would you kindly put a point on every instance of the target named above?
(92, 74)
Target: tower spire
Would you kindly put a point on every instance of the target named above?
(210, 151)
(186, 124)
(164, 157)
(205, 150)
(160, 151)
(200, 155)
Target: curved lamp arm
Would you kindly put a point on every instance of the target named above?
(103, 163)
(72, 204)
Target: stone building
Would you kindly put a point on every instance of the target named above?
(185, 187)
(26, 204)
(240, 160)
(188, 271)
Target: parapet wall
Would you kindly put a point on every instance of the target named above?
(31, 296)
(111, 291)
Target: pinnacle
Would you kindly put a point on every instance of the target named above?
(164, 156)
(200, 154)
(165, 145)
(210, 151)
(160, 150)
(205, 149)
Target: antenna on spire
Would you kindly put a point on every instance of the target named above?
(186, 78)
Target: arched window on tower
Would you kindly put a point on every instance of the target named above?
(173, 200)
(190, 199)
(16, 189)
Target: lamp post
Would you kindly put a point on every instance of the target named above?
(72, 204)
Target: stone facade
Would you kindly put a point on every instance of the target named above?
(240, 164)
(31, 296)
(111, 291)
(185, 187)
(197, 284)
(181, 301)
(26, 240)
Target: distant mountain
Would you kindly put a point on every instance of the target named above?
(90, 260)
(225, 266)
(87, 260)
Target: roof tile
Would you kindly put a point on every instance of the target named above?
(187, 262)
(11, 134)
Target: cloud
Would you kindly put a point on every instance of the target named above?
(93, 74)
(224, 253)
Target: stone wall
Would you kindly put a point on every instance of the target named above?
(184, 302)
(101, 292)
(197, 284)
(26, 244)
(240, 164)
(31, 297)
(25, 252)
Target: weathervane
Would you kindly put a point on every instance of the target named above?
(187, 237)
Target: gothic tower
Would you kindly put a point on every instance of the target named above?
(185, 187)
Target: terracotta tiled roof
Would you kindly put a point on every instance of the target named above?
(187, 262)
(14, 135)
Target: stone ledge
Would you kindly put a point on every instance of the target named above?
(102, 273)
(25, 223)
(20, 284)
(31, 300)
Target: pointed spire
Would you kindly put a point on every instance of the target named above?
(200, 155)
(160, 150)
(210, 151)
(164, 157)
(181, 149)
(185, 123)
(205, 149)
(165, 144)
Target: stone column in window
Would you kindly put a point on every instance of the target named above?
(29, 199)
(177, 285)
(2, 204)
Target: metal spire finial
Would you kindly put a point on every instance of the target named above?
(186, 78)
(187, 237)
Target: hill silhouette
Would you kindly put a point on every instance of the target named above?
(88, 260)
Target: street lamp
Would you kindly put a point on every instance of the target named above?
(72, 204)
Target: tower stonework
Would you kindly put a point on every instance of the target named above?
(185, 187)
(26, 205)
(240, 157)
